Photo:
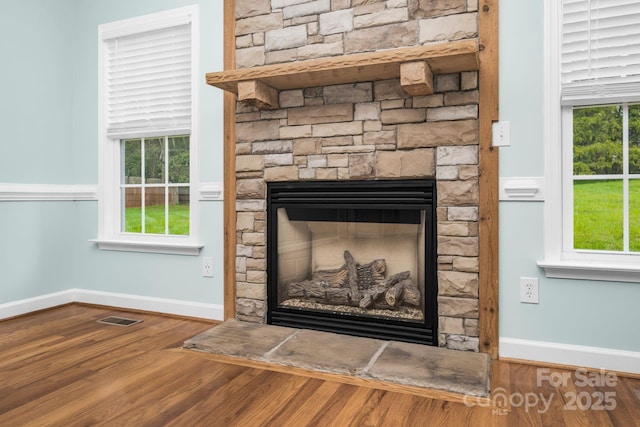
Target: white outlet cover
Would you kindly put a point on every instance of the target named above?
(529, 290)
(207, 267)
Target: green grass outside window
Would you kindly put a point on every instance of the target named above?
(598, 215)
(154, 220)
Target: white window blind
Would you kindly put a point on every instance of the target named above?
(149, 83)
(600, 51)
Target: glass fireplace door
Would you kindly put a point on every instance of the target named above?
(359, 262)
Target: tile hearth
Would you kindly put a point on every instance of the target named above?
(394, 362)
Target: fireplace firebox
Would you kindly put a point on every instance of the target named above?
(354, 257)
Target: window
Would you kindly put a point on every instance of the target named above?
(148, 133)
(155, 170)
(592, 147)
(606, 177)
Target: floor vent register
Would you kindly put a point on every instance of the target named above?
(118, 321)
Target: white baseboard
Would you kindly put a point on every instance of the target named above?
(133, 302)
(569, 354)
(29, 305)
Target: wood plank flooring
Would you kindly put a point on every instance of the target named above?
(62, 368)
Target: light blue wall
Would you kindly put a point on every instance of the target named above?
(36, 88)
(50, 119)
(521, 79)
(35, 249)
(597, 314)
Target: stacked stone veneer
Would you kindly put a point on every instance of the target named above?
(361, 131)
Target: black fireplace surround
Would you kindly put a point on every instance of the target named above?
(355, 205)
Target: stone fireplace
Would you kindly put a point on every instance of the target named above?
(361, 131)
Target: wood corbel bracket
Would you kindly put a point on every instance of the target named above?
(416, 78)
(258, 94)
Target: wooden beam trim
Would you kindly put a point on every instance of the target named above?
(489, 177)
(229, 156)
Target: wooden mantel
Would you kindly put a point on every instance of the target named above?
(414, 66)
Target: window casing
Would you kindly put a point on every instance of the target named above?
(149, 99)
(575, 79)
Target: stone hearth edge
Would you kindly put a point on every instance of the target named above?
(394, 362)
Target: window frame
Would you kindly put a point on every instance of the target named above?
(561, 260)
(110, 234)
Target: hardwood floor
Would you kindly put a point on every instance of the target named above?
(62, 368)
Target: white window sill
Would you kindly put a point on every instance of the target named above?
(149, 247)
(582, 270)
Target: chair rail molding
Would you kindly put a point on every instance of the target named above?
(47, 192)
(211, 190)
(10, 192)
(522, 189)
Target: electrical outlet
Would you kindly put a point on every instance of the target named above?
(207, 266)
(529, 290)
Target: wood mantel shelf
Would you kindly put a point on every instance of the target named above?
(414, 66)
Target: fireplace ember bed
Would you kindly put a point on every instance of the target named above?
(354, 257)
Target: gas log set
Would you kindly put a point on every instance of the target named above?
(358, 285)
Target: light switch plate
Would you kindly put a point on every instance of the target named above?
(501, 134)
